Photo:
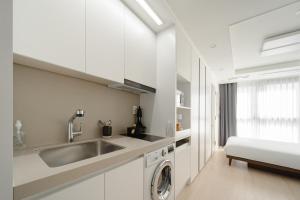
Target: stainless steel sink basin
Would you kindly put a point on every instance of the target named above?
(59, 156)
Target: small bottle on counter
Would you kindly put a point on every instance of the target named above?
(179, 122)
(19, 135)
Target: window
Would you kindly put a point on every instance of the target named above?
(269, 109)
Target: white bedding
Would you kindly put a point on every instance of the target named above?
(277, 153)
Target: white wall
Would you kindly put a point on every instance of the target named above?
(6, 74)
(40, 125)
(159, 109)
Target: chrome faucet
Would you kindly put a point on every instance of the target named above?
(71, 132)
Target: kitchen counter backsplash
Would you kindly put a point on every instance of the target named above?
(45, 101)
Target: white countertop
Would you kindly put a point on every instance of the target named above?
(32, 175)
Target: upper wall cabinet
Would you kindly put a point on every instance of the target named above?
(52, 31)
(140, 51)
(101, 38)
(184, 55)
(105, 39)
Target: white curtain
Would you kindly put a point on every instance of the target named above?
(269, 109)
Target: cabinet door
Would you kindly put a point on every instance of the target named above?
(125, 182)
(52, 31)
(202, 112)
(208, 117)
(182, 167)
(195, 115)
(184, 55)
(105, 39)
(140, 51)
(91, 189)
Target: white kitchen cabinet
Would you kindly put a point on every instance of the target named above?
(125, 182)
(52, 31)
(140, 51)
(184, 55)
(195, 115)
(202, 111)
(208, 135)
(105, 39)
(182, 167)
(91, 189)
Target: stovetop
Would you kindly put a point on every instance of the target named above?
(149, 138)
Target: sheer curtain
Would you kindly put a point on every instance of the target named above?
(269, 109)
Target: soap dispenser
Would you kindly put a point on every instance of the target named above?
(19, 135)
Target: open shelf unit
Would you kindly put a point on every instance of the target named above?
(183, 107)
(183, 110)
(183, 134)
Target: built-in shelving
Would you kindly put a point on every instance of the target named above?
(183, 107)
(183, 110)
(182, 134)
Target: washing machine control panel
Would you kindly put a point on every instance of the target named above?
(171, 148)
(156, 156)
(163, 152)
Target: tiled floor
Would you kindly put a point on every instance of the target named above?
(219, 181)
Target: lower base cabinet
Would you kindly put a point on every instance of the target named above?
(124, 182)
(182, 167)
(91, 189)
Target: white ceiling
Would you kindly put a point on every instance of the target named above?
(207, 22)
(247, 37)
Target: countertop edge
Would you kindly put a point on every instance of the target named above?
(54, 181)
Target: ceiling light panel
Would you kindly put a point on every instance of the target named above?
(281, 44)
(150, 12)
(281, 50)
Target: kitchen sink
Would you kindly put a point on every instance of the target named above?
(59, 156)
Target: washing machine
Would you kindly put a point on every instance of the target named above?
(159, 174)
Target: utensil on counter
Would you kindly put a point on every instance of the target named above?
(106, 128)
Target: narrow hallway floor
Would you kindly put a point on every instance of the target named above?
(219, 181)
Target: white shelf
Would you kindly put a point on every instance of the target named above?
(183, 107)
(180, 79)
(182, 134)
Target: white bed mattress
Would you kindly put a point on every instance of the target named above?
(277, 153)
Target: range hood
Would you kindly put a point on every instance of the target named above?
(133, 87)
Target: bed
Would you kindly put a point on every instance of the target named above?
(264, 154)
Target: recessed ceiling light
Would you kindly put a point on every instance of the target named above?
(285, 43)
(213, 45)
(150, 11)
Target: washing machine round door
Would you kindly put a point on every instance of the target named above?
(162, 183)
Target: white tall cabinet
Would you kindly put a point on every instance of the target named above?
(202, 116)
(195, 99)
(105, 39)
(140, 51)
(202, 128)
(52, 31)
(201, 133)
(183, 55)
(208, 133)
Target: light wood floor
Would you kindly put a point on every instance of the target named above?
(218, 181)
